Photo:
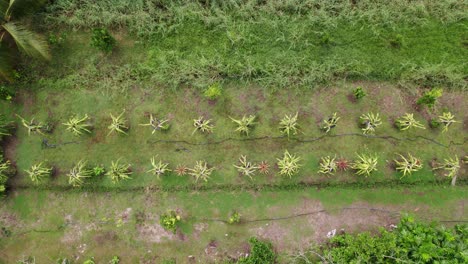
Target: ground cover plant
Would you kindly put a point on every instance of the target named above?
(230, 131)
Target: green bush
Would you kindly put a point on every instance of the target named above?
(234, 218)
(410, 242)
(429, 98)
(213, 91)
(102, 40)
(169, 221)
(98, 171)
(260, 253)
(57, 39)
(359, 93)
(5, 93)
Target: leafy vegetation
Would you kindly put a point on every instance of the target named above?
(359, 93)
(39, 172)
(118, 125)
(330, 123)
(370, 122)
(5, 126)
(169, 221)
(157, 124)
(447, 119)
(235, 218)
(365, 164)
(203, 125)
(289, 164)
(410, 242)
(201, 171)
(408, 165)
(5, 171)
(33, 126)
(407, 121)
(159, 168)
(102, 40)
(288, 125)
(213, 92)
(245, 124)
(246, 168)
(15, 36)
(78, 173)
(328, 165)
(119, 172)
(450, 165)
(429, 98)
(260, 252)
(78, 125)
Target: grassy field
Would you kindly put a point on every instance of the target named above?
(272, 58)
(51, 225)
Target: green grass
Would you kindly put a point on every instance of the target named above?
(60, 226)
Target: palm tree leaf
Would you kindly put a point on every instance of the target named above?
(19, 8)
(27, 41)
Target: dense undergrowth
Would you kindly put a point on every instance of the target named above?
(281, 44)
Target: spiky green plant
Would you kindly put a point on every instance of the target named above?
(4, 169)
(203, 125)
(78, 125)
(289, 164)
(157, 124)
(118, 125)
(246, 168)
(158, 168)
(408, 165)
(365, 164)
(330, 123)
(244, 125)
(328, 165)
(5, 126)
(447, 119)
(201, 171)
(32, 126)
(407, 121)
(78, 173)
(451, 166)
(118, 172)
(38, 172)
(288, 125)
(370, 122)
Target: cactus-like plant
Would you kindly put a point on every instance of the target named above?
(78, 125)
(408, 165)
(288, 125)
(263, 167)
(328, 165)
(157, 124)
(78, 173)
(370, 122)
(203, 125)
(447, 119)
(159, 168)
(407, 121)
(32, 126)
(118, 172)
(201, 171)
(118, 125)
(5, 126)
(451, 166)
(330, 123)
(244, 125)
(4, 168)
(181, 170)
(289, 164)
(246, 168)
(38, 172)
(365, 164)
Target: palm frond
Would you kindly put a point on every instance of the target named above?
(27, 41)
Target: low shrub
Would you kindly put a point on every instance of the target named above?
(429, 98)
(213, 92)
(234, 218)
(359, 93)
(260, 252)
(102, 40)
(169, 221)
